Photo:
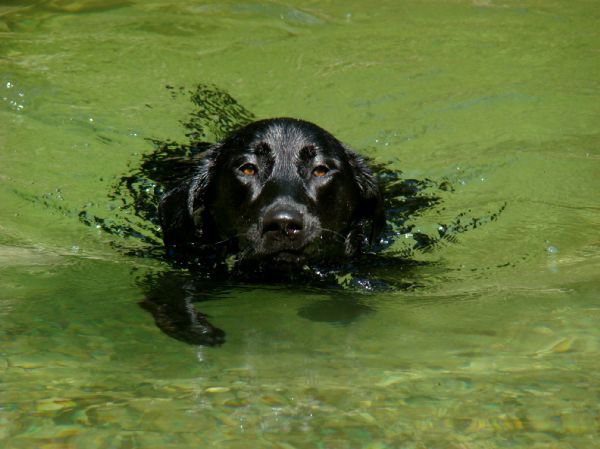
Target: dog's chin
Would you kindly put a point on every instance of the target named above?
(280, 265)
(286, 261)
(287, 258)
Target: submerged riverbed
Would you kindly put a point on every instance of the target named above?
(494, 344)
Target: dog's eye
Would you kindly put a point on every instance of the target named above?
(249, 169)
(320, 170)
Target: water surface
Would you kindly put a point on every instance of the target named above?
(497, 347)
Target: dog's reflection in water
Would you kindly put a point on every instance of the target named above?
(172, 298)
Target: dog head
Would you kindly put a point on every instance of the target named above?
(278, 191)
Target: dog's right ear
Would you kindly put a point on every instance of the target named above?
(180, 211)
(370, 204)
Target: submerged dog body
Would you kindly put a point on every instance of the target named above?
(279, 193)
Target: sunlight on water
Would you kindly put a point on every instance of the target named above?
(488, 110)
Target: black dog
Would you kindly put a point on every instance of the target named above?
(277, 194)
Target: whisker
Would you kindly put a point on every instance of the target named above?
(228, 239)
(335, 233)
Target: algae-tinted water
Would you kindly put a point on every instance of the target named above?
(495, 344)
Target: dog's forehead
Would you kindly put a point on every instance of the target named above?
(289, 138)
(285, 136)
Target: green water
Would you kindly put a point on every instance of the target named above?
(499, 347)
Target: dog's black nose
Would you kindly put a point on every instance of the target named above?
(287, 222)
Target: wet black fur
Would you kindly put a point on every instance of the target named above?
(309, 199)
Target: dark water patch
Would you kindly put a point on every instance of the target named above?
(406, 200)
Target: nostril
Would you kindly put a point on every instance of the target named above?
(289, 223)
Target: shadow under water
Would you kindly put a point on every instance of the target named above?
(170, 295)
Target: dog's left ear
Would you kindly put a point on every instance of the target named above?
(370, 207)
